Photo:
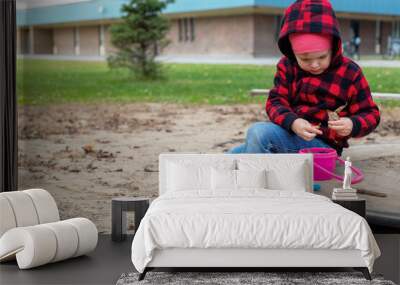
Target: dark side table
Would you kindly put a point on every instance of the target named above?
(357, 206)
(119, 207)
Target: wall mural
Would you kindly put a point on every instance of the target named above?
(89, 132)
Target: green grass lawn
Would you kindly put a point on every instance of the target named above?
(45, 82)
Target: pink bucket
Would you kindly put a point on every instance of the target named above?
(325, 165)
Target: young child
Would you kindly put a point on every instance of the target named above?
(313, 80)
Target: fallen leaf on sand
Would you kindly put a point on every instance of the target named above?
(223, 144)
(149, 168)
(90, 167)
(104, 154)
(88, 148)
(103, 141)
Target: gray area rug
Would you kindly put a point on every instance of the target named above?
(231, 278)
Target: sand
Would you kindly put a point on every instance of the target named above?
(86, 154)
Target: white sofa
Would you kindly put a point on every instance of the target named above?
(31, 231)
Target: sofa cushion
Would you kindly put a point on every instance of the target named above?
(23, 208)
(45, 205)
(7, 215)
(41, 244)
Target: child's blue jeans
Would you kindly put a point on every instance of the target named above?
(267, 137)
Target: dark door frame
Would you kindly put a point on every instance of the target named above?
(8, 101)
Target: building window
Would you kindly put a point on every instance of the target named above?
(396, 29)
(355, 27)
(186, 27)
(76, 41)
(180, 28)
(192, 34)
(278, 20)
(101, 40)
(101, 35)
(378, 36)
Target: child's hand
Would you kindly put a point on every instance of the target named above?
(343, 126)
(305, 130)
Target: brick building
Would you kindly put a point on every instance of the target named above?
(206, 27)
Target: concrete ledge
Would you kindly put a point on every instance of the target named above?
(392, 96)
(362, 152)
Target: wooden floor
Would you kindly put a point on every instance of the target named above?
(111, 259)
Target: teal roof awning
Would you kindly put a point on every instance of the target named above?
(111, 9)
(75, 12)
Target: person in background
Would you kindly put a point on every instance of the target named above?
(356, 42)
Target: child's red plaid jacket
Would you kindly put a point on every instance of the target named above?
(299, 94)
